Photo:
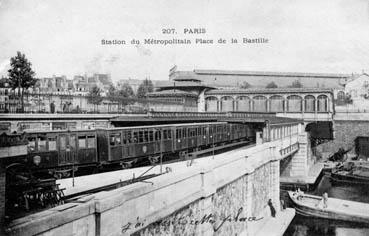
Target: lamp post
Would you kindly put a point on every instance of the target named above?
(212, 139)
(19, 86)
(39, 103)
(161, 151)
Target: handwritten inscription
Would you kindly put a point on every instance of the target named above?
(206, 219)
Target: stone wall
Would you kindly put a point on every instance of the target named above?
(345, 132)
(300, 162)
(205, 216)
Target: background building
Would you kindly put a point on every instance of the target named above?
(258, 79)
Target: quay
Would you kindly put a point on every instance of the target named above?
(304, 182)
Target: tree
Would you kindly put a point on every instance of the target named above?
(271, 85)
(296, 84)
(112, 92)
(145, 87)
(245, 85)
(94, 96)
(126, 91)
(21, 75)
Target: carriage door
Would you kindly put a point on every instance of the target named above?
(130, 144)
(67, 149)
(157, 141)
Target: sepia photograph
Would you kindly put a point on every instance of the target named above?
(196, 117)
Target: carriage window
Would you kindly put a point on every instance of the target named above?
(112, 140)
(52, 144)
(157, 135)
(63, 142)
(91, 141)
(124, 138)
(129, 137)
(118, 138)
(72, 141)
(82, 141)
(165, 134)
(41, 144)
(169, 134)
(151, 136)
(146, 136)
(31, 144)
(184, 133)
(135, 137)
(140, 136)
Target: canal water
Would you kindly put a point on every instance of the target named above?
(306, 226)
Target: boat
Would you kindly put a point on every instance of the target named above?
(351, 173)
(337, 209)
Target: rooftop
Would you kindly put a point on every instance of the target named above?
(172, 93)
(266, 73)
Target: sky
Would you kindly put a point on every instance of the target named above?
(63, 37)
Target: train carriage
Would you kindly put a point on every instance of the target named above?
(130, 143)
(47, 150)
(63, 152)
(121, 144)
(58, 151)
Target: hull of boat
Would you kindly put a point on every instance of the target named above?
(349, 179)
(310, 211)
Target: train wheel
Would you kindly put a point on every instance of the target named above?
(128, 164)
(154, 159)
(58, 175)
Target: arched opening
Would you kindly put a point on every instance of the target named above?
(227, 104)
(211, 104)
(294, 103)
(260, 104)
(276, 103)
(322, 103)
(243, 103)
(309, 103)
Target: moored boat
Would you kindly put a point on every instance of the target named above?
(351, 173)
(337, 209)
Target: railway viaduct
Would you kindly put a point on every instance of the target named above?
(226, 194)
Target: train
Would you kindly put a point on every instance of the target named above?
(61, 152)
(50, 155)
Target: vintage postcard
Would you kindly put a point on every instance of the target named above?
(196, 117)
